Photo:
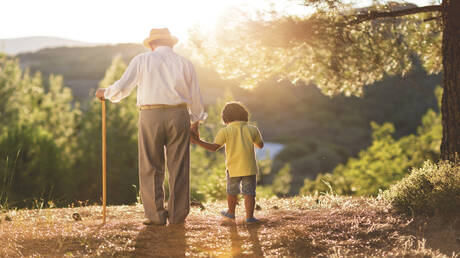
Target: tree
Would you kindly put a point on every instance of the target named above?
(121, 145)
(36, 127)
(386, 161)
(341, 49)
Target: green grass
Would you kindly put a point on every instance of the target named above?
(9, 169)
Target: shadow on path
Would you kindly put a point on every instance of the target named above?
(153, 241)
(249, 246)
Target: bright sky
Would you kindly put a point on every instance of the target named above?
(107, 21)
(115, 21)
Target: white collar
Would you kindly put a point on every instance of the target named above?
(162, 48)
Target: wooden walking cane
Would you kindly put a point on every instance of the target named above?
(104, 196)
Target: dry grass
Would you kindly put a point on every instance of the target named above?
(325, 226)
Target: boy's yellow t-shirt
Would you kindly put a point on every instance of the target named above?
(239, 138)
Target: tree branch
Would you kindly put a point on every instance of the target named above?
(372, 15)
(432, 18)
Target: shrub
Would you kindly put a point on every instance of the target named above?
(282, 181)
(213, 188)
(432, 189)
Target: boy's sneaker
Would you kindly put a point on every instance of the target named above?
(252, 221)
(227, 215)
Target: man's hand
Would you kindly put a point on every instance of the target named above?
(194, 128)
(100, 93)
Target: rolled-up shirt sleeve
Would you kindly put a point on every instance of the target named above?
(128, 81)
(196, 107)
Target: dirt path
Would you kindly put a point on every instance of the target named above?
(297, 227)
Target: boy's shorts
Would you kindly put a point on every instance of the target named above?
(243, 184)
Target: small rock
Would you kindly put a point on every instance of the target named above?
(76, 216)
(258, 208)
(7, 218)
(197, 204)
(275, 207)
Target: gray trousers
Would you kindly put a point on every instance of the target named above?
(164, 131)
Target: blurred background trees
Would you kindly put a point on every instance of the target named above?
(386, 161)
(122, 162)
(359, 142)
(341, 49)
(50, 144)
(37, 136)
(50, 150)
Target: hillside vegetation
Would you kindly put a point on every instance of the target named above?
(310, 226)
(319, 132)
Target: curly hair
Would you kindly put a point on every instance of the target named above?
(234, 111)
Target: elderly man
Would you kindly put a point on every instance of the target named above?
(170, 106)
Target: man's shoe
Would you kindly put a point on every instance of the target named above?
(150, 223)
(227, 215)
(252, 221)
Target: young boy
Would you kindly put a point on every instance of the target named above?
(239, 139)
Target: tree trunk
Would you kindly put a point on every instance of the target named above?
(450, 109)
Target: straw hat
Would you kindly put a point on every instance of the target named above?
(159, 34)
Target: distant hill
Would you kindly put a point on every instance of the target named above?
(31, 44)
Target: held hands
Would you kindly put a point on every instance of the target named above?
(194, 128)
(100, 93)
(194, 133)
(194, 138)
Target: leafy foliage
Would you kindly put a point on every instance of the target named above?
(282, 181)
(39, 171)
(42, 111)
(339, 127)
(56, 147)
(122, 163)
(37, 126)
(326, 48)
(386, 161)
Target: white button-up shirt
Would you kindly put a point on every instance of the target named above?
(162, 77)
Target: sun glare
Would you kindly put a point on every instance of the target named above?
(114, 21)
(117, 21)
(108, 21)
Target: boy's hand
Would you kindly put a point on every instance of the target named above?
(194, 138)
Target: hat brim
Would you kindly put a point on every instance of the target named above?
(147, 41)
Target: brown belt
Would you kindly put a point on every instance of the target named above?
(155, 106)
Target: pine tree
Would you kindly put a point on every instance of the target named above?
(122, 165)
(341, 49)
(37, 123)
